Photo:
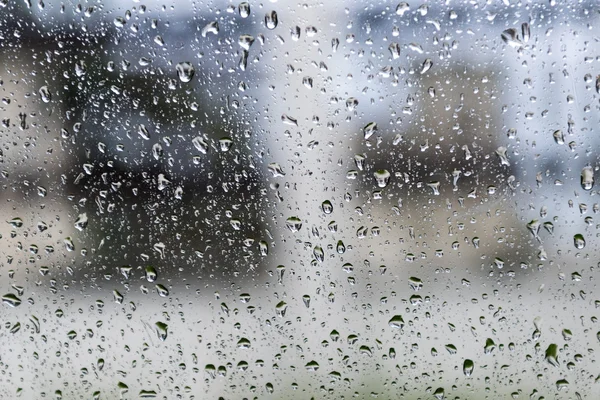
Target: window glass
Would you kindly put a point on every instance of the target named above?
(277, 199)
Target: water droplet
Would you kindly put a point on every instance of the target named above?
(511, 37)
(45, 94)
(559, 136)
(561, 384)
(271, 20)
(468, 367)
(382, 177)
(243, 343)
(327, 207)
(312, 366)
(489, 346)
(439, 393)
(287, 120)
(319, 253)
(81, 222)
(244, 9)
(552, 355)
(161, 330)
(245, 41)
(211, 27)
(396, 322)
(151, 274)
(200, 144)
(427, 64)
(162, 290)
(394, 49)
(369, 130)
(306, 300)
(579, 241)
(281, 308)
(295, 33)
(11, 300)
(185, 71)
(147, 394)
(276, 170)
(80, 68)
(415, 283)
(587, 178)
(435, 187)
(143, 132)
(16, 222)
(401, 8)
(501, 153)
(294, 224)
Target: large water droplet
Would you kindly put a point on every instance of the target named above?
(271, 20)
(161, 330)
(579, 241)
(281, 308)
(11, 300)
(369, 129)
(396, 322)
(45, 94)
(185, 71)
(294, 224)
(468, 367)
(587, 178)
(244, 9)
(552, 355)
(382, 177)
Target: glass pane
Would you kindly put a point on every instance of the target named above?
(216, 199)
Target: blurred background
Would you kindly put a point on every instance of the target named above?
(214, 199)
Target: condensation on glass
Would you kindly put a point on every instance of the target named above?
(222, 199)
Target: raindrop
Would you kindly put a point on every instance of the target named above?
(468, 367)
(185, 71)
(211, 27)
(11, 300)
(369, 130)
(271, 20)
(511, 37)
(161, 330)
(327, 207)
(552, 355)
(382, 177)
(244, 9)
(294, 224)
(427, 64)
(281, 308)
(396, 322)
(45, 94)
(579, 241)
(394, 49)
(587, 178)
(559, 136)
